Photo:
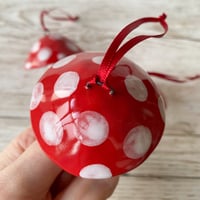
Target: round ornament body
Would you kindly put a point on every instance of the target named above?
(88, 132)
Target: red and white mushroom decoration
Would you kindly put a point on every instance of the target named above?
(51, 47)
(99, 115)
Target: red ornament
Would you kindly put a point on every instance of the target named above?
(99, 115)
(51, 47)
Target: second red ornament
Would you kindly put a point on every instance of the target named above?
(51, 47)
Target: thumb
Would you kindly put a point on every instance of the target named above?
(16, 147)
(32, 173)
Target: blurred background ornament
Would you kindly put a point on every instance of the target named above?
(51, 47)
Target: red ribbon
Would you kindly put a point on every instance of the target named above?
(115, 52)
(48, 13)
(174, 78)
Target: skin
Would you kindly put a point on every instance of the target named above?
(26, 173)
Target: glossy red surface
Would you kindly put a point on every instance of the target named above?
(88, 132)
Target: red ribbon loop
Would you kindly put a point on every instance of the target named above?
(65, 17)
(115, 52)
(174, 78)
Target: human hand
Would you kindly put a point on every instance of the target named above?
(26, 173)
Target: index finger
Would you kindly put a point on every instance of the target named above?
(16, 147)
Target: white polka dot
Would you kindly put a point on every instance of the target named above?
(161, 108)
(37, 94)
(61, 55)
(137, 142)
(51, 128)
(66, 84)
(97, 59)
(35, 47)
(91, 128)
(44, 54)
(28, 65)
(70, 45)
(136, 88)
(95, 171)
(64, 61)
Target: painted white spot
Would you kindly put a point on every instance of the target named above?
(51, 128)
(44, 54)
(28, 65)
(136, 88)
(137, 142)
(95, 171)
(35, 47)
(91, 128)
(161, 108)
(37, 94)
(66, 84)
(70, 45)
(121, 70)
(97, 59)
(64, 61)
(60, 56)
